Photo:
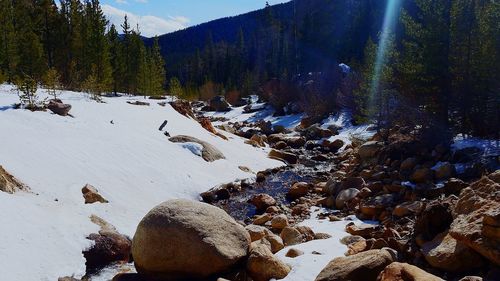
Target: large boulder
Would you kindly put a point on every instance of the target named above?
(262, 201)
(364, 266)
(219, 103)
(477, 217)
(182, 239)
(8, 183)
(435, 218)
(446, 253)
(209, 152)
(405, 272)
(262, 265)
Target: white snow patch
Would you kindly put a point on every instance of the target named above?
(195, 148)
(488, 147)
(130, 162)
(309, 265)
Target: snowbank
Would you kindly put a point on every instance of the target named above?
(117, 148)
(317, 253)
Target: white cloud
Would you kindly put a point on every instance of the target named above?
(148, 25)
(121, 1)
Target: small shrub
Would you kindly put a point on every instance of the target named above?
(26, 88)
(51, 82)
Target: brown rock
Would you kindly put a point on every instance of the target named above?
(262, 265)
(376, 205)
(422, 175)
(293, 253)
(262, 201)
(91, 195)
(356, 247)
(287, 157)
(352, 182)
(262, 219)
(434, 219)
(10, 184)
(446, 253)
(298, 190)
(345, 196)
(279, 222)
(170, 238)
(408, 164)
(477, 217)
(291, 236)
(363, 230)
(256, 232)
(408, 208)
(59, 108)
(276, 243)
(359, 267)
(405, 272)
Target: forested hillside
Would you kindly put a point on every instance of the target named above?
(443, 65)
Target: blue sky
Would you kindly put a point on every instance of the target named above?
(156, 17)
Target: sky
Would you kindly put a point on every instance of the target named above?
(156, 17)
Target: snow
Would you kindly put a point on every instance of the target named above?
(130, 162)
(195, 148)
(348, 132)
(488, 147)
(309, 265)
(266, 114)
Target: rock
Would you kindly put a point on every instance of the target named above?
(336, 145)
(91, 195)
(256, 232)
(287, 157)
(376, 205)
(352, 182)
(293, 253)
(363, 230)
(209, 152)
(222, 194)
(477, 217)
(359, 267)
(295, 142)
(408, 208)
(279, 222)
(351, 239)
(67, 278)
(321, 236)
(220, 104)
(262, 265)
(445, 171)
(405, 272)
(356, 247)
(109, 246)
(262, 201)
(446, 253)
(59, 108)
(291, 236)
(345, 196)
(207, 125)
(10, 184)
(188, 240)
(257, 141)
(369, 151)
(422, 175)
(280, 145)
(262, 219)
(276, 243)
(434, 219)
(183, 107)
(454, 186)
(408, 164)
(298, 190)
(140, 103)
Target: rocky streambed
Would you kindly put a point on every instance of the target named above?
(437, 210)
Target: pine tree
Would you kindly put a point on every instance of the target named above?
(158, 75)
(51, 81)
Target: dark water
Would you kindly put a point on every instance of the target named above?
(276, 185)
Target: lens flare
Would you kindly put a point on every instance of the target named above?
(390, 19)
